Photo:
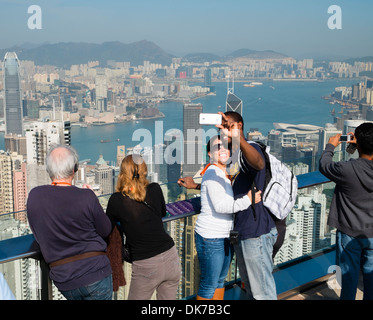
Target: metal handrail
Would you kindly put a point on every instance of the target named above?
(27, 247)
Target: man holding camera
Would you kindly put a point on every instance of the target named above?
(351, 210)
(255, 231)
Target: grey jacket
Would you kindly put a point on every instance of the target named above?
(351, 210)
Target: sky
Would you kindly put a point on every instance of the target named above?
(298, 28)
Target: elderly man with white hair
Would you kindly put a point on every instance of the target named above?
(70, 226)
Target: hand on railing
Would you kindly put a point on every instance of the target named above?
(187, 182)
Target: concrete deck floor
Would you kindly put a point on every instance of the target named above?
(326, 289)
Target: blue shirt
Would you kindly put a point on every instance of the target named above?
(247, 224)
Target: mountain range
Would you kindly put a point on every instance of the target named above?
(67, 54)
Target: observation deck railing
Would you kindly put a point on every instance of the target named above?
(23, 252)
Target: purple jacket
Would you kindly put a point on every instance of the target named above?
(67, 221)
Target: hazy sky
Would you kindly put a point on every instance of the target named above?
(292, 27)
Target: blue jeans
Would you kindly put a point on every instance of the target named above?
(353, 255)
(215, 256)
(254, 259)
(99, 290)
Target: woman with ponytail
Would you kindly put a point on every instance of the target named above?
(139, 207)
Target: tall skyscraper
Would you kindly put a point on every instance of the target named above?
(13, 183)
(207, 77)
(192, 131)
(19, 187)
(6, 186)
(16, 143)
(324, 135)
(233, 103)
(1, 105)
(12, 87)
(101, 91)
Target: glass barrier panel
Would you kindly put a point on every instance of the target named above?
(307, 231)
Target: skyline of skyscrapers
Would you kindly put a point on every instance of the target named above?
(307, 215)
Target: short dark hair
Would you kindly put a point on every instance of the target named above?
(236, 117)
(212, 139)
(364, 137)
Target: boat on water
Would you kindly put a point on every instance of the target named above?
(252, 84)
(106, 141)
(82, 125)
(101, 123)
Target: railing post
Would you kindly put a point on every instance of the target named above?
(46, 282)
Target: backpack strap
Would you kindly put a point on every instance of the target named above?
(253, 188)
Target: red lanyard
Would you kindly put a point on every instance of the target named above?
(209, 164)
(57, 183)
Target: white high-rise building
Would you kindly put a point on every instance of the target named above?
(324, 135)
(300, 168)
(40, 137)
(306, 225)
(101, 92)
(101, 86)
(6, 185)
(292, 246)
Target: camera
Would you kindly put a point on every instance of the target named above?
(210, 118)
(345, 138)
(351, 148)
(233, 237)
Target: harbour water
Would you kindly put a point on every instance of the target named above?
(290, 102)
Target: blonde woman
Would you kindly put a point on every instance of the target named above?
(139, 207)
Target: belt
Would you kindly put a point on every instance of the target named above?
(76, 257)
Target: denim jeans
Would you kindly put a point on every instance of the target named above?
(99, 290)
(353, 255)
(254, 259)
(215, 256)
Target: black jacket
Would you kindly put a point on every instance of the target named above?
(142, 224)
